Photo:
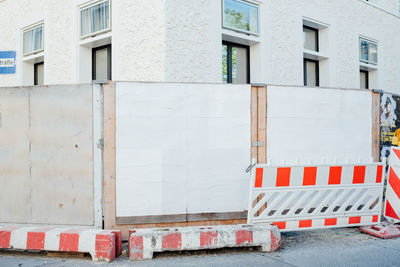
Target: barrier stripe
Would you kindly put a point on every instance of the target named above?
(330, 221)
(172, 241)
(305, 223)
(397, 152)
(359, 175)
(5, 237)
(310, 175)
(353, 220)
(335, 174)
(259, 177)
(208, 239)
(390, 211)
(244, 237)
(394, 182)
(35, 240)
(379, 171)
(375, 218)
(280, 225)
(69, 241)
(283, 177)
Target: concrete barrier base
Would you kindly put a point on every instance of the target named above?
(102, 245)
(144, 242)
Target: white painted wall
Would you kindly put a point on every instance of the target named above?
(180, 41)
(181, 148)
(314, 125)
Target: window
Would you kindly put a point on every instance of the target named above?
(311, 72)
(235, 63)
(368, 51)
(310, 38)
(241, 16)
(33, 40)
(95, 19)
(38, 73)
(101, 63)
(364, 79)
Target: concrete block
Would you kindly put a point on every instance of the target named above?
(144, 242)
(102, 245)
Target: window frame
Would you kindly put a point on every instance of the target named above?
(360, 39)
(316, 37)
(108, 46)
(89, 6)
(229, 62)
(240, 30)
(31, 28)
(35, 72)
(316, 71)
(366, 78)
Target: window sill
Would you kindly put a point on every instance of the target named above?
(309, 54)
(239, 38)
(368, 67)
(99, 40)
(34, 58)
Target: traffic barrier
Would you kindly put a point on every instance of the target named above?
(384, 230)
(144, 242)
(392, 202)
(311, 197)
(102, 245)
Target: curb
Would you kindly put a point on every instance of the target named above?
(144, 242)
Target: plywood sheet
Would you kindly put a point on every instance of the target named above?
(62, 155)
(181, 148)
(14, 155)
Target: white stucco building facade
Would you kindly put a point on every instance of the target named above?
(180, 41)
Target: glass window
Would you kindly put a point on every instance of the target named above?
(235, 63)
(363, 79)
(368, 51)
(239, 15)
(33, 40)
(38, 73)
(95, 19)
(102, 63)
(310, 38)
(311, 73)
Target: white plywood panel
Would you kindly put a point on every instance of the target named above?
(62, 155)
(181, 148)
(14, 155)
(318, 125)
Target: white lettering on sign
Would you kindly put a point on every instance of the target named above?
(7, 62)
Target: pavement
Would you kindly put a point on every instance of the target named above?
(329, 247)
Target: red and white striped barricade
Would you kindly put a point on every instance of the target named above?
(102, 245)
(319, 196)
(392, 202)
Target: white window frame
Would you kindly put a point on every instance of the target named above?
(91, 4)
(362, 38)
(239, 30)
(30, 28)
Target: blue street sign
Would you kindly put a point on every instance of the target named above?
(7, 62)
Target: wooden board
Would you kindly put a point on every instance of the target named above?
(375, 126)
(109, 156)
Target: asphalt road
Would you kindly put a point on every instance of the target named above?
(332, 247)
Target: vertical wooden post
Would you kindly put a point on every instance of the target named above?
(376, 99)
(259, 123)
(254, 122)
(262, 124)
(109, 156)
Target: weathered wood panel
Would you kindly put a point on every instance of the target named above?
(62, 155)
(14, 155)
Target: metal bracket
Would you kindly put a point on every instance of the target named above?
(257, 144)
(100, 144)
